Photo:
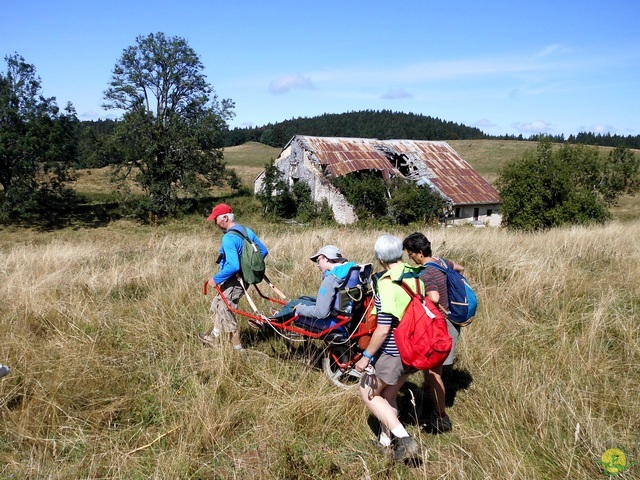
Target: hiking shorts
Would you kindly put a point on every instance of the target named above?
(390, 369)
(233, 292)
(454, 332)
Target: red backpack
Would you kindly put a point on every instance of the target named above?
(422, 336)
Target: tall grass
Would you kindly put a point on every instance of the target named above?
(109, 380)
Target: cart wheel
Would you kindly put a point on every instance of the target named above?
(341, 378)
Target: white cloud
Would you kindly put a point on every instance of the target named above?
(537, 126)
(484, 123)
(602, 129)
(89, 115)
(290, 82)
(395, 94)
(550, 50)
(461, 69)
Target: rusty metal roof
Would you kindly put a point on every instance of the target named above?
(346, 155)
(445, 169)
(450, 173)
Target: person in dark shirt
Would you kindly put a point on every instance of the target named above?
(418, 248)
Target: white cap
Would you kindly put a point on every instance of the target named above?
(330, 251)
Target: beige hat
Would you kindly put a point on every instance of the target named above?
(331, 252)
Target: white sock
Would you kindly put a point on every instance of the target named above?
(385, 439)
(400, 431)
(238, 347)
(216, 332)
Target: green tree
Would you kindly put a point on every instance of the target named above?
(170, 138)
(570, 184)
(275, 196)
(620, 175)
(38, 145)
(412, 203)
(366, 191)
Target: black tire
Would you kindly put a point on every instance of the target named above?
(341, 378)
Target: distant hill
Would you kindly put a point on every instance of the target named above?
(383, 125)
(386, 125)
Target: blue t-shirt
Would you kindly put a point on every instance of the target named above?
(230, 252)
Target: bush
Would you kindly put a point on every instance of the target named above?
(411, 203)
(398, 200)
(570, 185)
(366, 191)
(280, 201)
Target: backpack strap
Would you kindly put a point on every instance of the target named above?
(443, 270)
(438, 266)
(411, 293)
(244, 235)
(241, 234)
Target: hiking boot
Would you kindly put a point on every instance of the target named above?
(209, 340)
(255, 324)
(4, 370)
(438, 424)
(405, 448)
(384, 449)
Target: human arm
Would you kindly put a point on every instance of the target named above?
(230, 251)
(324, 300)
(433, 295)
(378, 337)
(457, 267)
(434, 283)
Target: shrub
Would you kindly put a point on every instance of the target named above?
(398, 200)
(366, 191)
(281, 201)
(570, 185)
(412, 203)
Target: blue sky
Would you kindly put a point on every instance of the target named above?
(557, 67)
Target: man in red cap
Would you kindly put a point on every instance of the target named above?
(227, 277)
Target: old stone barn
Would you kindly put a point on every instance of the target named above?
(435, 165)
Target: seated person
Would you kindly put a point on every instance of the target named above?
(335, 269)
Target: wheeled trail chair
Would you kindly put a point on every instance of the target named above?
(345, 333)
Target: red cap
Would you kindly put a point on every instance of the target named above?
(220, 209)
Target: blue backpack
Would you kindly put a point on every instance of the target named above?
(462, 299)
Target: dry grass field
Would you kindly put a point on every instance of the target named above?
(109, 380)
(247, 160)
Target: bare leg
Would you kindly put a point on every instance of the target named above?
(436, 388)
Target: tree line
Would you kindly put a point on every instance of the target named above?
(382, 124)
